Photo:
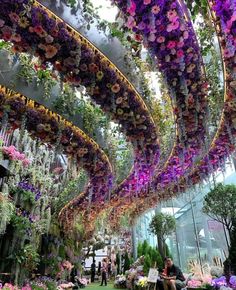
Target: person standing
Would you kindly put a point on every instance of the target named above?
(104, 272)
(93, 271)
(99, 268)
(172, 276)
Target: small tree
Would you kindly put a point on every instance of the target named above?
(220, 205)
(162, 225)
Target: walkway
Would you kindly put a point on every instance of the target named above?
(95, 286)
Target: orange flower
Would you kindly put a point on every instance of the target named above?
(51, 51)
(115, 88)
(40, 31)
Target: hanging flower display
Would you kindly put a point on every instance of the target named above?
(222, 145)
(51, 128)
(169, 36)
(80, 63)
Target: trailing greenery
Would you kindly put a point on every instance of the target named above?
(6, 211)
(28, 257)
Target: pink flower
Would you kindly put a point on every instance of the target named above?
(21, 156)
(172, 26)
(228, 53)
(146, 2)
(185, 35)
(14, 17)
(180, 53)
(27, 287)
(138, 37)
(130, 22)
(172, 14)
(132, 8)
(155, 9)
(171, 44)
(151, 37)
(180, 44)
(26, 162)
(7, 33)
(161, 39)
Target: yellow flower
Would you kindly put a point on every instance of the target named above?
(99, 75)
(23, 22)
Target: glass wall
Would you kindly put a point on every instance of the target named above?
(197, 236)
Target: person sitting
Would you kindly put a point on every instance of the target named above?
(172, 276)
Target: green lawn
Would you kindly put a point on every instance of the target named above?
(95, 286)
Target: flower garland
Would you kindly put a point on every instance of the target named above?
(224, 142)
(50, 128)
(38, 31)
(166, 31)
(32, 28)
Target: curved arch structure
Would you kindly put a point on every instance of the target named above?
(50, 128)
(34, 29)
(223, 143)
(167, 32)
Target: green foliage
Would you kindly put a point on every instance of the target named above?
(145, 247)
(147, 264)
(152, 254)
(220, 204)
(71, 3)
(5, 44)
(197, 7)
(162, 225)
(6, 211)
(29, 73)
(139, 249)
(20, 223)
(72, 189)
(167, 251)
(28, 257)
(24, 195)
(51, 285)
(156, 258)
(126, 262)
(36, 287)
